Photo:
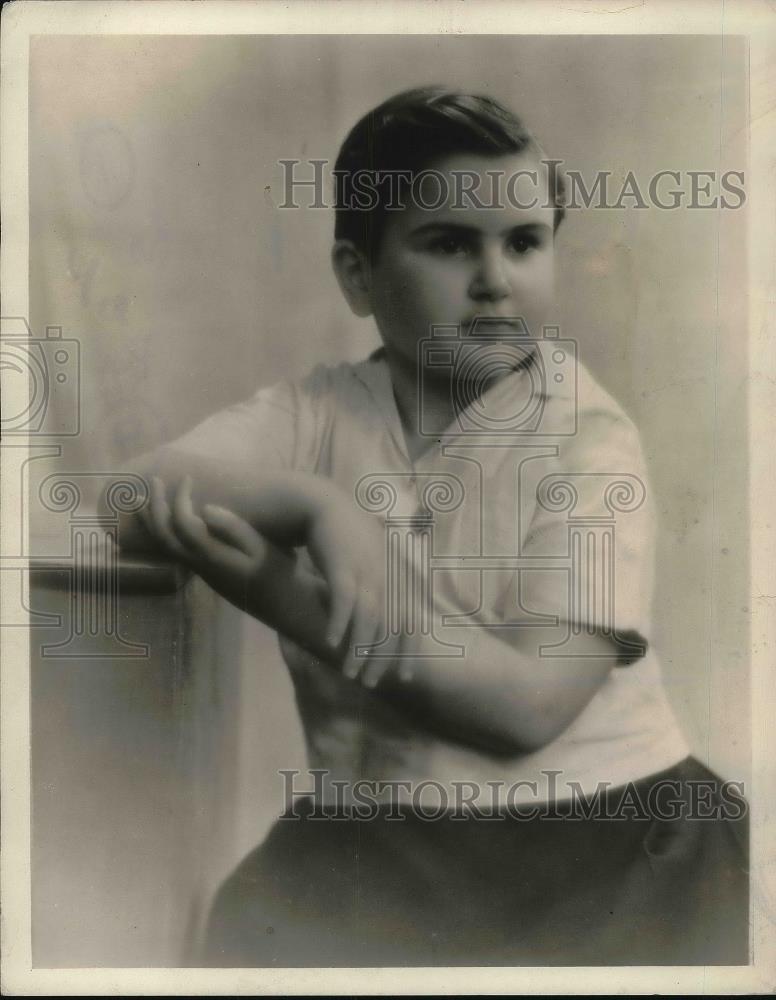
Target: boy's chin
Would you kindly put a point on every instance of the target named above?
(474, 387)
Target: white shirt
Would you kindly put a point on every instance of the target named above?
(506, 474)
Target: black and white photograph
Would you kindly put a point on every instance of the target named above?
(387, 560)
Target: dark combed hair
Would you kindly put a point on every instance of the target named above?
(413, 130)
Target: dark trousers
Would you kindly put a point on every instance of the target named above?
(635, 890)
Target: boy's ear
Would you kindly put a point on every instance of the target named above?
(352, 270)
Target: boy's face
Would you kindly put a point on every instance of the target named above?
(448, 265)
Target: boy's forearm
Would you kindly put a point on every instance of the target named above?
(291, 601)
(497, 696)
(279, 504)
(501, 695)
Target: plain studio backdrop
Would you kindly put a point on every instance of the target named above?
(157, 242)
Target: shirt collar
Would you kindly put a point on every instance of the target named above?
(375, 374)
(552, 358)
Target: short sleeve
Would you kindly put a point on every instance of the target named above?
(281, 426)
(589, 548)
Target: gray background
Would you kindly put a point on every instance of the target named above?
(155, 240)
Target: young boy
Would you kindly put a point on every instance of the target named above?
(469, 608)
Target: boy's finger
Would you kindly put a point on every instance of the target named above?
(225, 568)
(352, 664)
(362, 637)
(406, 670)
(374, 671)
(159, 520)
(342, 591)
(374, 664)
(145, 515)
(209, 555)
(225, 557)
(377, 666)
(379, 659)
(188, 526)
(233, 530)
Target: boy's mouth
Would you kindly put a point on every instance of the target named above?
(483, 326)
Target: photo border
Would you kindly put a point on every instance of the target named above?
(755, 19)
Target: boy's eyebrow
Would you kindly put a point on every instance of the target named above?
(464, 230)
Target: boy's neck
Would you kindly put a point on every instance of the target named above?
(438, 405)
(440, 397)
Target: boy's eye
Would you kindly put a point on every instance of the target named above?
(523, 243)
(449, 246)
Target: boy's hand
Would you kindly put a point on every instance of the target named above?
(347, 546)
(225, 558)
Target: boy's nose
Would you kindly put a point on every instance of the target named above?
(489, 282)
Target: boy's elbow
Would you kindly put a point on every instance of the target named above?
(533, 717)
(526, 740)
(531, 731)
